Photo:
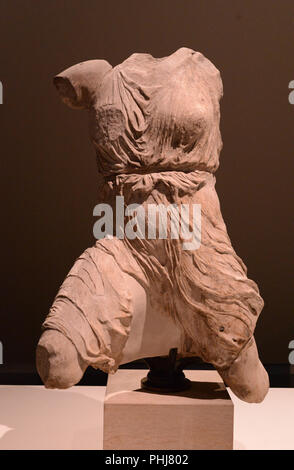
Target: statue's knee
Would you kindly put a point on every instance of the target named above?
(57, 360)
(247, 377)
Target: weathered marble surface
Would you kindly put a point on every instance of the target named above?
(154, 124)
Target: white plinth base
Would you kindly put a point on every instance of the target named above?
(199, 418)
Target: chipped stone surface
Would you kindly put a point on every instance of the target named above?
(154, 124)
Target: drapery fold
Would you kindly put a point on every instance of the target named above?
(155, 129)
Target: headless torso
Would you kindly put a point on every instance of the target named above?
(155, 127)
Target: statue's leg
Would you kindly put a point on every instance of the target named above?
(88, 323)
(100, 317)
(58, 362)
(247, 377)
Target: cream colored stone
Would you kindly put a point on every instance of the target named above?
(199, 418)
(154, 125)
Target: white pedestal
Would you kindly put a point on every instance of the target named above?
(198, 418)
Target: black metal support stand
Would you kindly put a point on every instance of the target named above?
(166, 373)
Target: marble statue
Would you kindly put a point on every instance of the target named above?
(154, 124)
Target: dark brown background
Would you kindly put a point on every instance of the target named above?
(48, 175)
